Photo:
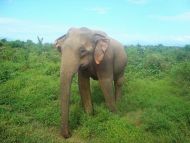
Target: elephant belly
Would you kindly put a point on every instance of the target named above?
(94, 77)
(90, 72)
(93, 74)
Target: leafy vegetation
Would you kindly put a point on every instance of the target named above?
(155, 106)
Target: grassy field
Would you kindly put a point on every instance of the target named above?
(155, 104)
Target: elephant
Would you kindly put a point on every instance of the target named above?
(91, 54)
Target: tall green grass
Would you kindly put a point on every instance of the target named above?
(154, 107)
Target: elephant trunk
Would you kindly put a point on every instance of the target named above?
(68, 69)
(65, 96)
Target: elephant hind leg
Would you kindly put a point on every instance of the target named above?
(118, 84)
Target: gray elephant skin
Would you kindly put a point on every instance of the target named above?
(93, 54)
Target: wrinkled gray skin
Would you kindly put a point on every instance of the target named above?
(91, 54)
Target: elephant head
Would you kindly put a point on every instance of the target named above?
(79, 48)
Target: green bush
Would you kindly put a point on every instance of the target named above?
(8, 71)
(154, 64)
(17, 44)
(52, 69)
(181, 72)
(155, 122)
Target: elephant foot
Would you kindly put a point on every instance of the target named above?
(65, 133)
(89, 111)
(112, 108)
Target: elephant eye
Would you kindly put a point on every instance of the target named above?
(83, 52)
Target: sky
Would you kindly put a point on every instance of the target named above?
(143, 22)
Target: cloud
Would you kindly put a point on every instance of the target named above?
(6, 20)
(178, 17)
(12, 28)
(179, 40)
(99, 10)
(147, 39)
(137, 1)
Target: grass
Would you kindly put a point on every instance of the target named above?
(154, 106)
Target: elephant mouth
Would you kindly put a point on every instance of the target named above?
(83, 67)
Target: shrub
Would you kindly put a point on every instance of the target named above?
(52, 69)
(180, 75)
(154, 64)
(17, 44)
(8, 71)
(155, 121)
(181, 72)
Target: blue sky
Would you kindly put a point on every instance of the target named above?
(130, 21)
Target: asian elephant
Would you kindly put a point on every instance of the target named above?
(92, 54)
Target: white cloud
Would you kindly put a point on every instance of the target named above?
(23, 29)
(100, 10)
(147, 39)
(158, 39)
(178, 17)
(6, 20)
(137, 1)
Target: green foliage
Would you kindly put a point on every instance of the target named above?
(154, 106)
(181, 72)
(154, 64)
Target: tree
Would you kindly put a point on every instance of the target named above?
(40, 40)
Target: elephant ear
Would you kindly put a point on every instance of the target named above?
(101, 45)
(59, 41)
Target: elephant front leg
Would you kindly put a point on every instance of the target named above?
(84, 88)
(107, 88)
